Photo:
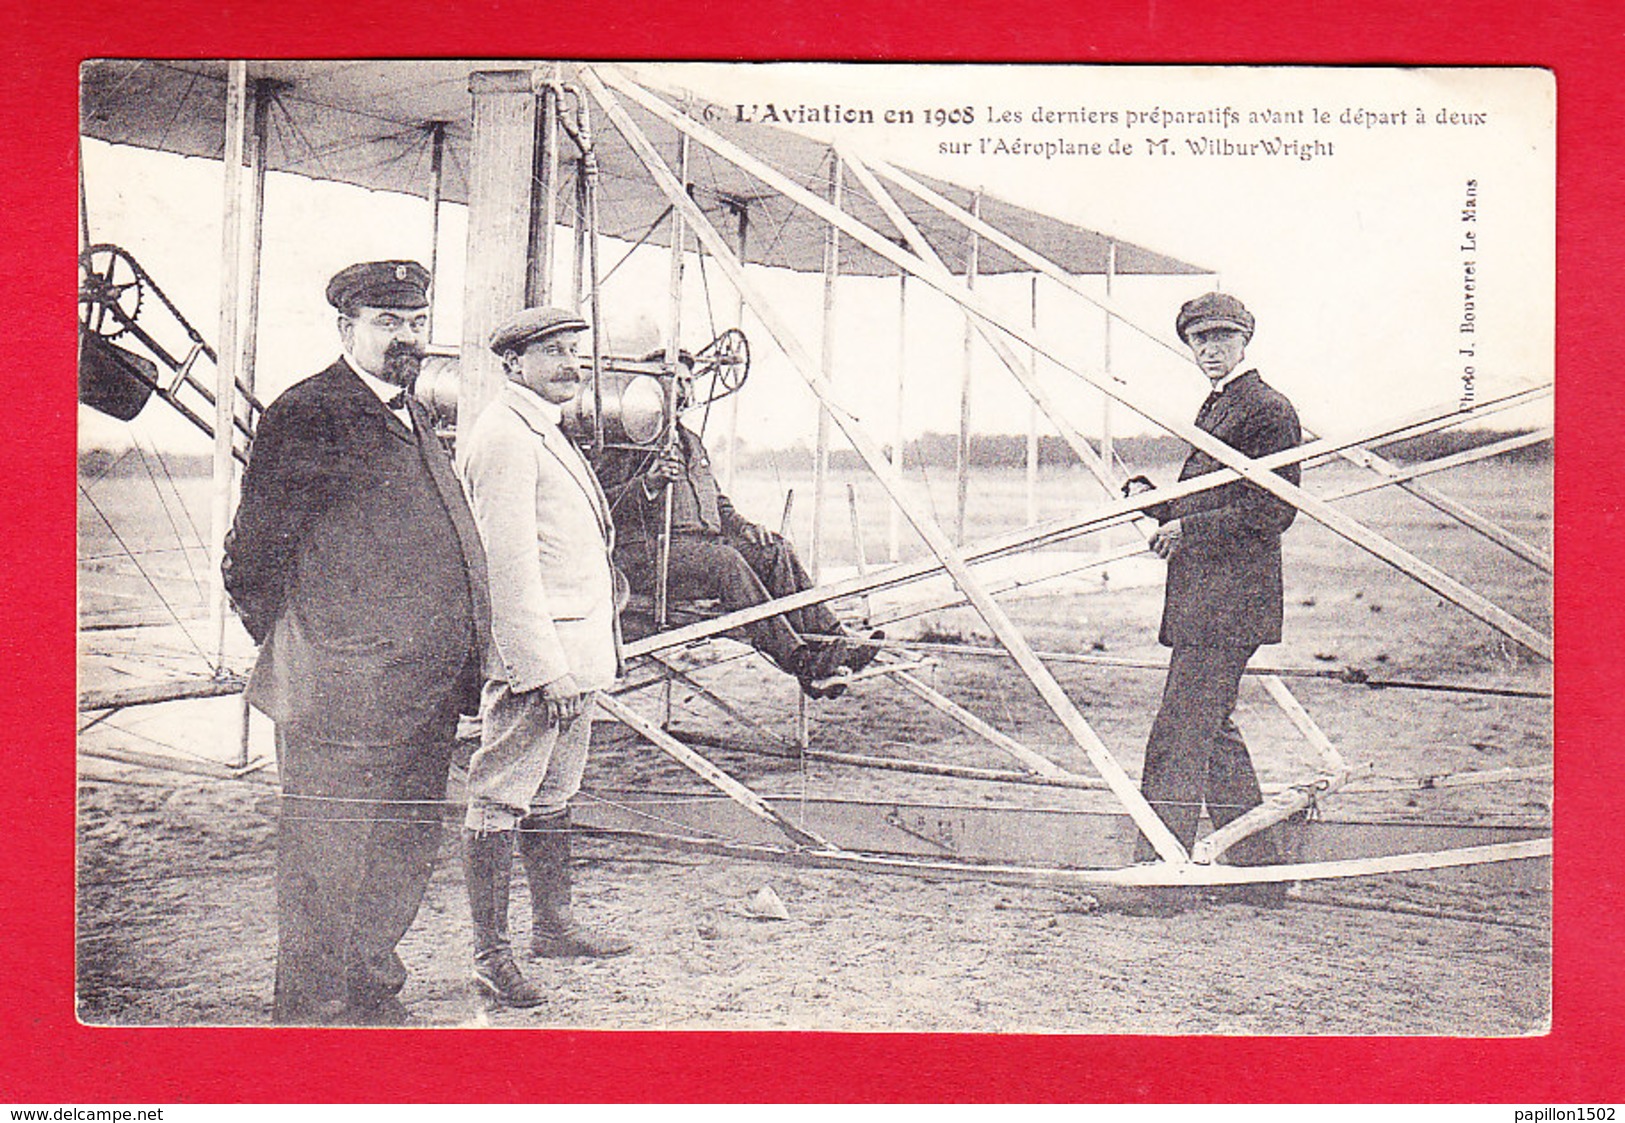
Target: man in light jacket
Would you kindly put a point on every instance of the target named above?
(548, 536)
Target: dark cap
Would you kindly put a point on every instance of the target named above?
(379, 284)
(1214, 310)
(533, 324)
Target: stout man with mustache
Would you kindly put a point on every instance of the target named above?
(355, 564)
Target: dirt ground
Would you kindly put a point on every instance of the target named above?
(176, 910)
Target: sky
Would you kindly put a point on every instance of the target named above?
(1355, 259)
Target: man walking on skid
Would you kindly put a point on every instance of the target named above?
(1223, 597)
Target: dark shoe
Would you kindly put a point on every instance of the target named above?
(544, 847)
(502, 982)
(813, 664)
(859, 655)
(834, 659)
(833, 690)
(829, 656)
(577, 942)
(487, 871)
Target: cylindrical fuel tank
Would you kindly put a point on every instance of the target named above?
(634, 406)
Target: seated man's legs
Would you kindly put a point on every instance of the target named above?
(782, 573)
(707, 567)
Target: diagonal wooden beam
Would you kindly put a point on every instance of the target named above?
(708, 772)
(1060, 530)
(1097, 464)
(1036, 763)
(1444, 463)
(1401, 477)
(1124, 788)
(1373, 543)
(1361, 457)
(996, 342)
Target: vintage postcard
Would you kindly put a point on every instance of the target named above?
(848, 547)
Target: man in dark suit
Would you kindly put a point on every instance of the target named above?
(718, 554)
(1223, 595)
(355, 565)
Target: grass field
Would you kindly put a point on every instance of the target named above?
(896, 953)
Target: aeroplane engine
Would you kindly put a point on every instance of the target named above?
(634, 404)
(634, 409)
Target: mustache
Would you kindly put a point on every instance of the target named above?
(401, 364)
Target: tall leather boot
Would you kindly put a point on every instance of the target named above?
(487, 869)
(544, 846)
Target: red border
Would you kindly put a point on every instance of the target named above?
(47, 1057)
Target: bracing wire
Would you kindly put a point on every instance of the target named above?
(180, 103)
(163, 600)
(169, 517)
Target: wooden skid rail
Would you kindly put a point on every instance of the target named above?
(1162, 874)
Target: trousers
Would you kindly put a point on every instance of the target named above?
(1196, 756)
(526, 763)
(740, 574)
(357, 838)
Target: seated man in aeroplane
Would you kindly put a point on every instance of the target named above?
(717, 554)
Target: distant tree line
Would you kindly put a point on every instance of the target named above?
(935, 451)
(931, 451)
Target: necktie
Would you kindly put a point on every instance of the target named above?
(398, 407)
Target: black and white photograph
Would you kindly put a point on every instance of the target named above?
(861, 547)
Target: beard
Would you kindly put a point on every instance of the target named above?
(401, 364)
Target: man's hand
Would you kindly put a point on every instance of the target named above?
(758, 535)
(667, 469)
(563, 699)
(1136, 485)
(1167, 539)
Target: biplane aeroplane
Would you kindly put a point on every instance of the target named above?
(561, 165)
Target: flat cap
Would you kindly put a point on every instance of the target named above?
(531, 325)
(1214, 310)
(379, 284)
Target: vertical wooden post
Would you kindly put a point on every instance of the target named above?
(729, 463)
(502, 163)
(1106, 450)
(1032, 417)
(894, 516)
(251, 326)
(674, 333)
(832, 273)
(230, 348)
(545, 207)
(437, 183)
(263, 91)
(578, 260)
(84, 207)
(674, 337)
(962, 453)
(1108, 454)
